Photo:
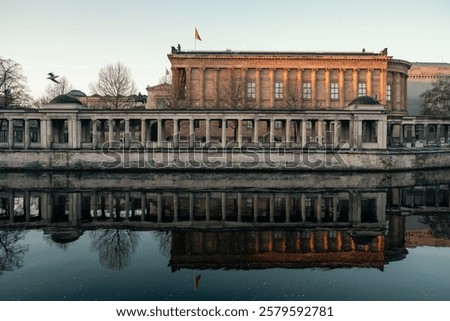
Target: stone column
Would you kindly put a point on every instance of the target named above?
(176, 133)
(188, 87)
(341, 88)
(110, 132)
(355, 83)
(288, 132)
(313, 89)
(208, 132)
(224, 133)
(144, 132)
(258, 87)
(383, 86)
(202, 87)
(396, 91)
(191, 133)
(369, 82)
(327, 89)
(94, 134)
(272, 87)
(335, 134)
(255, 131)
(217, 87)
(319, 125)
(239, 132)
(10, 133)
(303, 126)
(126, 134)
(272, 132)
(26, 134)
(159, 133)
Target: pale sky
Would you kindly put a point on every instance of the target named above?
(76, 38)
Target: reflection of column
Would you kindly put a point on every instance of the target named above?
(143, 205)
(94, 205)
(272, 207)
(381, 207)
(255, 207)
(111, 205)
(339, 241)
(224, 206)
(176, 206)
(239, 207)
(127, 205)
(288, 207)
(208, 206)
(335, 207)
(303, 206)
(319, 208)
(159, 204)
(191, 207)
(26, 205)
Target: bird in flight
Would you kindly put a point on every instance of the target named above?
(52, 77)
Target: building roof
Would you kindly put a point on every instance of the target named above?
(65, 99)
(364, 100)
(76, 93)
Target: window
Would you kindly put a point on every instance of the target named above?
(249, 202)
(361, 89)
(162, 103)
(251, 90)
(369, 131)
(278, 124)
(278, 90)
(334, 90)
(306, 90)
(388, 93)
(249, 124)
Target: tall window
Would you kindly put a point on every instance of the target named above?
(278, 124)
(334, 90)
(251, 90)
(361, 89)
(388, 93)
(306, 90)
(249, 124)
(278, 90)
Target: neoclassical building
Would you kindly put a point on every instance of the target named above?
(294, 80)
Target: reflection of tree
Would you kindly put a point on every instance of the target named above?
(439, 224)
(165, 242)
(11, 253)
(114, 247)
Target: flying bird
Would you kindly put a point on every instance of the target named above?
(52, 77)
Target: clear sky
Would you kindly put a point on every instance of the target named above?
(76, 38)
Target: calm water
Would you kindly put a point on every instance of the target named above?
(257, 237)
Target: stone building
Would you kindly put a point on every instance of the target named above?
(294, 80)
(421, 77)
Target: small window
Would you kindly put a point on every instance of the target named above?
(388, 93)
(334, 90)
(249, 202)
(278, 124)
(361, 89)
(251, 90)
(278, 90)
(249, 124)
(306, 90)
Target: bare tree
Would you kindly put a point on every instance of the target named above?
(12, 250)
(233, 92)
(115, 87)
(436, 100)
(174, 89)
(293, 97)
(13, 85)
(54, 90)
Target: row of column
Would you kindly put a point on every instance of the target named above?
(398, 84)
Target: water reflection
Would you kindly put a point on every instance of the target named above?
(230, 221)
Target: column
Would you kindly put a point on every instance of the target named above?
(383, 85)
(202, 87)
(144, 132)
(303, 125)
(313, 89)
(355, 83)
(176, 133)
(188, 86)
(272, 87)
(217, 87)
(159, 133)
(239, 132)
(288, 133)
(224, 133)
(271, 132)
(327, 89)
(26, 134)
(191, 133)
(10, 133)
(319, 125)
(396, 91)
(341, 88)
(258, 87)
(94, 134)
(208, 132)
(413, 135)
(369, 82)
(255, 131)
(110, 132)
(126, 134)
(335, 134)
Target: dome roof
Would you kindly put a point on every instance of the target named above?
(65, 99)
(364, 100)
(76, 93)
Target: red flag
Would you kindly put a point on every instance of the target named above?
(197, 35)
